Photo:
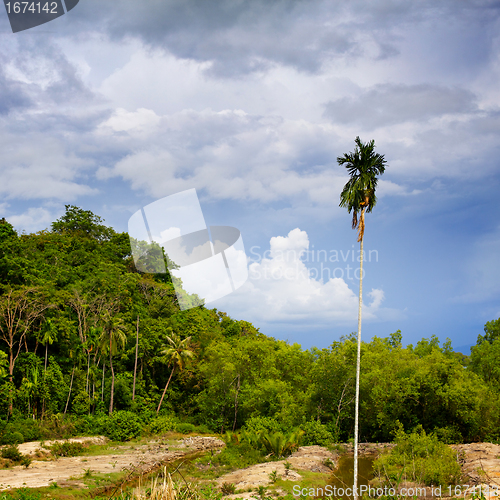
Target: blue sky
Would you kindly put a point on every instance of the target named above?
(118, 104)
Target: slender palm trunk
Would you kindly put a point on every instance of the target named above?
(165, 390)
(70, 387)
(136, 353)
(102, 385)
(358, 363)
(46, 352)
(87, 387)
(236, 403)
(112, 379)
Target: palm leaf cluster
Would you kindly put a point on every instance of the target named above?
(278, 444)
(358, 195)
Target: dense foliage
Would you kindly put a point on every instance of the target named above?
(418, 458)
(74, 312)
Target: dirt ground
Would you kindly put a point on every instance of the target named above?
(68, 471)
(480, 463)
(311, 458)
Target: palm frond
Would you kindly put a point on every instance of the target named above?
(363, 166)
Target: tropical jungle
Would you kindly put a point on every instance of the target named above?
(89, 346)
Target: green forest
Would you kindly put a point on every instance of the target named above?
(87, 341)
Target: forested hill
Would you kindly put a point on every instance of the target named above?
(83, 334)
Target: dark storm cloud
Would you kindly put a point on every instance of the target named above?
(49, 117)
(390, 104)
(240, 37)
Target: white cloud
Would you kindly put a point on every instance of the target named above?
(39, 167)
(141, 121)
(32, 220)
(281, 288)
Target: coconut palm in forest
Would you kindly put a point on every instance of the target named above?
(176, 353)
(358, 196)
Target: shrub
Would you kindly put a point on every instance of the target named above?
(281, 444)
(228, 489)
(316, 433)
(163, 424)
(432, 462)
(122, 426)
(81, 404)
(255, 425)
(29, 428)
(90, 425)
(12, 438)
(26, 494)
(67, 449)
(12, 453)
(449, 435)
(57, 427)
(185, 428)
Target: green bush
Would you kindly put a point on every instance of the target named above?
(185, 428)
(122, 426)
(281, 444)
(26, 494)
(11, 453)
(81, 404)
(90, 425)
(163, 424)
(425, 460)
(29, 428)
(58, 426)
(316, 433)
(12, 438)
(67, 449)
(255, 425)
(449, 435)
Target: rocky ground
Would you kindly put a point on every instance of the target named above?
(480, 463)
(69, 471)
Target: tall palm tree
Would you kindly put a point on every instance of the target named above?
(358, 196)
(112, 337)
(176, 353)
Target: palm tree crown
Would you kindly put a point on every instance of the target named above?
(358, 194)
(176, 353)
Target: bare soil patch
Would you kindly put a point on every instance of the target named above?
(480, 462)
(69, 471)
(310, 458)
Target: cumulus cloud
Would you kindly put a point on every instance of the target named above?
(32, 219)
(282, 288)
(233, 155)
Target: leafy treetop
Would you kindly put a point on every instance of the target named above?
(6, 230)
(82, 223)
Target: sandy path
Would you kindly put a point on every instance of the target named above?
(70, 470)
